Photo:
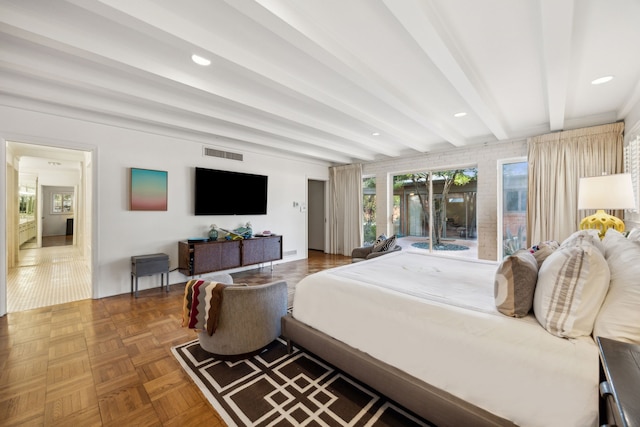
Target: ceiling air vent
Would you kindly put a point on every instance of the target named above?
(212, 152)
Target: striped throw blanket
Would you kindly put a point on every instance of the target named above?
(201, 308)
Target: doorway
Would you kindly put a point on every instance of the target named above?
(52, 263)
(316, 215)
(57, 215)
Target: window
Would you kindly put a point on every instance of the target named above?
(369, 210)
(62, 203)
(515, 200)
(513, 211)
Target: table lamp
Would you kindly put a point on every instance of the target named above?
(605, 192)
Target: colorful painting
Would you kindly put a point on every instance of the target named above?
(148, 190)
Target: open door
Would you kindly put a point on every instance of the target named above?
(316, 215)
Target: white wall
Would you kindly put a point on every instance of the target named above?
(120, 233)
(484, 157)
(11, 212)
(6, 259)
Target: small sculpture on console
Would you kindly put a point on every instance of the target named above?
(245, 232)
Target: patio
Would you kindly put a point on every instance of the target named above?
(472, 253)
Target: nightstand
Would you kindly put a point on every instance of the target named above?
(620, 386)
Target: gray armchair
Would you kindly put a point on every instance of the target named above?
(249, 319)
(366, 252)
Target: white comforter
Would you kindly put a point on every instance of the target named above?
(435, 318)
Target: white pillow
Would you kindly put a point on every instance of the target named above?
(572, 283)
(634, 234)
(612, 241)
(584, 237)
(619, 317)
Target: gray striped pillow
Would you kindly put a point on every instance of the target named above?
(572, 284)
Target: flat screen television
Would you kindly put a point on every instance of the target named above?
(219, 192)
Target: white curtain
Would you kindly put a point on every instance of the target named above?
(557, 161)
(345, 209)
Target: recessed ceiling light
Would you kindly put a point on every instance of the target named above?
(602, 80)
(460, 114)
(376, 134)
(200, 60)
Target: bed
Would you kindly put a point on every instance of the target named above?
(424, 330)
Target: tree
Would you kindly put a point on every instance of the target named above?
(369, 210)
(449, 178)
(420, 182)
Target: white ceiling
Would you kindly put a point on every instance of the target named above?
(38, 159)
(316, 78)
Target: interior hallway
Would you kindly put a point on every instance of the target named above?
(47, 276)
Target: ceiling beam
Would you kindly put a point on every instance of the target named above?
(557, 29)
(60, 99)
(97, 49)
(419, 19)
(335, 56)
(274, 72)
(632, 101)
(61, 71)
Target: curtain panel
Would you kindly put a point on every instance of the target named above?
(557, 161)
(345, 208)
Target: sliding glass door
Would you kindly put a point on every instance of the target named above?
(437, 206)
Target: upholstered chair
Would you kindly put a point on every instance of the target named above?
(249, 319)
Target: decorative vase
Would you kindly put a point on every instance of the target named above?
(213, 233)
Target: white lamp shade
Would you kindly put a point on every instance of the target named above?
(606, 192)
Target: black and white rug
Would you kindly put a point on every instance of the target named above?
(274, 388)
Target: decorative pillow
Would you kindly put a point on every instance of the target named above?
(543, 249)
(515, 283)
(619, 317)
(612, 241)
(634, 234)
(385, 245)
(572, 283)
(381, 238)
(584, 237)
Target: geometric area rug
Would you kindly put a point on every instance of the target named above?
(275, 388)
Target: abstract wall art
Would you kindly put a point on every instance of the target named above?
(148, 190)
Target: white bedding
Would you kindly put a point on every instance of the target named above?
(436, 320)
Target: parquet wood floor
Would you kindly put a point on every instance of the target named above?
(108, 362)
